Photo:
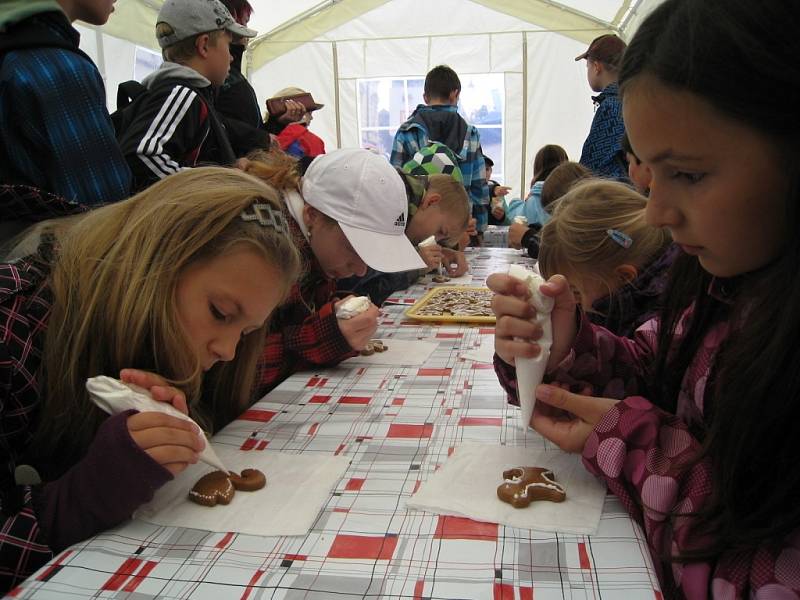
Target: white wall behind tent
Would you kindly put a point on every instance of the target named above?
(545, 95)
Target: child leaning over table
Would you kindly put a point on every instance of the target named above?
(693, 423)
(616, 263)
(169, 290)
(438, 207)
(340, 229)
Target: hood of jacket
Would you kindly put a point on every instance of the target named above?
(443, 124)
(174, 71)
(14, 11)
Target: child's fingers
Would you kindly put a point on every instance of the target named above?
(158, 387)
(173, 458)
(165, 436)
(171, 395)
(511, 306)
(568, 434)
(586, 408)
(505, 285)
(509, 349)
(555, 286)
(514, 327)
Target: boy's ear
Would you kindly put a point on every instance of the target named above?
(626, 273)
(430, 199)
(309, 215)
(201, 44)
(453, 97)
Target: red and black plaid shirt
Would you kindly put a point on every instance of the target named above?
(303, 332)
(25, 303)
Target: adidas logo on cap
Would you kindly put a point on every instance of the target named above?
(401, 221)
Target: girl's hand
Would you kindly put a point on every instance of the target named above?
(360, 329)
(172, 442)
(567, 419)
(158, 387)
(432, 255)
(516, 332)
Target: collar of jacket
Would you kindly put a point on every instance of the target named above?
(14, 11)
(611, 90)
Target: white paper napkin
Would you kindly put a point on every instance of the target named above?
(114, 397)
(466, 486)
(298, 486)
(401, 353)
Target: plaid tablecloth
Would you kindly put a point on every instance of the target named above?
(397, 425)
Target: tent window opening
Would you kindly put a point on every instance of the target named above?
(385, 103)
(145, 62)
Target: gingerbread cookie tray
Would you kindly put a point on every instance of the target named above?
(454, 304)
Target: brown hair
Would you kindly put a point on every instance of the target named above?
(440, 82)
(184, 50)
(547, 158)
(114, 281)
(454, 200)
(558, 183)
(576, 242)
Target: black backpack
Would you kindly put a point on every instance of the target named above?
(131, 94)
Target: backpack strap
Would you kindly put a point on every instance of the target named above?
(128, 92)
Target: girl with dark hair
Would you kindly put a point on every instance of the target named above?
(546, 160)
(694, 421)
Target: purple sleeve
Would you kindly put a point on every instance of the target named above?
(647, 458)
(114, 478)
(613, 366)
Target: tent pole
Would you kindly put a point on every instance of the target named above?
(524, 113)
(336, 95)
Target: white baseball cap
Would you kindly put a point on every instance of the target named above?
(366, 196)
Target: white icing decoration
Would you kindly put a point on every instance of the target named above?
(352, 306)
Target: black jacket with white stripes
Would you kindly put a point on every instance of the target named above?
(172, 127)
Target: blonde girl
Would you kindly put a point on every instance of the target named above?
(616, 263)
(171, 290)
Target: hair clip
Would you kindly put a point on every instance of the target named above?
(623, 239)
(267, 216)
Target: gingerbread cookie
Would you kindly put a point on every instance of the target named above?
(524, 485)
(374, 346)
(212, 489)
(249, 481)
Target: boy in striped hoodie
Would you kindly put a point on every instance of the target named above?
(174, 126)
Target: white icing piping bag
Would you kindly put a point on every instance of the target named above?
(530, 371)
(114, 396)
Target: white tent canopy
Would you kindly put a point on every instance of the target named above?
(364, 59)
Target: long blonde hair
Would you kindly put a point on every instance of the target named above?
(576, 242)
(113, 284)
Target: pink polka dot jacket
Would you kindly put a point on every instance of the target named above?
(642, 453)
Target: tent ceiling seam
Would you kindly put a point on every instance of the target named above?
(429, 36)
